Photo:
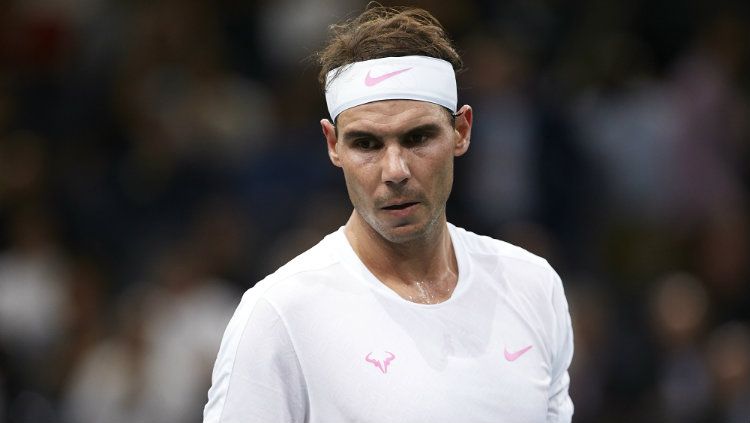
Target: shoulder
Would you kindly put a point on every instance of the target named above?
(316, 259)
(484, 245)
(517, 270)
(300, 277)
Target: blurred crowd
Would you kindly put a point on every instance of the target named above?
(157, 158)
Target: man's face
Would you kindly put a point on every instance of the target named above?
(397, 158)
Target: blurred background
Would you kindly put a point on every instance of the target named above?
(157, 158)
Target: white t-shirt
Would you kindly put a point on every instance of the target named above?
(321, 340)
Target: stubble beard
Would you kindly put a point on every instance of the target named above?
(422, 231)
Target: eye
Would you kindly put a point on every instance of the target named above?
(365, 144)
(416, 139)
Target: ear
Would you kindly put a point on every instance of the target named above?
(464, 119)
(329, 132)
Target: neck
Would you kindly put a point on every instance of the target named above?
(422, 270)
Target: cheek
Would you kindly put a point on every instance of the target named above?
(446, 179)
(440, 178)
(440, 172)
(356, 182)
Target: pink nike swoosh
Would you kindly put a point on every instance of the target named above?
(370, 81)
(513, 356)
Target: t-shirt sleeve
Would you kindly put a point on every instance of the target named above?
(256, 377)
(560, 406)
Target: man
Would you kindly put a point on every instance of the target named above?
(398, 316)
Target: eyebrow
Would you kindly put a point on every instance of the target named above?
(427, 127)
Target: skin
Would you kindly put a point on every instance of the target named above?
(397, 159)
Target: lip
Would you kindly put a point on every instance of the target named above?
(399, 204)
(400, 208)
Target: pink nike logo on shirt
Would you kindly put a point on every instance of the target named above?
(371, 81)
(513, 356)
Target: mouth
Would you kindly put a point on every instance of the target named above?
(400, 206)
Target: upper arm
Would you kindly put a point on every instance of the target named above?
(256, 377)
(560, 405)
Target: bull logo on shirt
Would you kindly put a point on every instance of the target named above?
(382, 365)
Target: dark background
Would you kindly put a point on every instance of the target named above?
(157, 158)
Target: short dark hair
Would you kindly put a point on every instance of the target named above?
(386, 32)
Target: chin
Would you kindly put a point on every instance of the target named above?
(406, 233)
(401, 236)
(401, 231)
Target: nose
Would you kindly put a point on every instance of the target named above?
(395, 168)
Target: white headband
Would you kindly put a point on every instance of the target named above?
(391, 78)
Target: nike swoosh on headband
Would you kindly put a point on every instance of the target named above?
(372, 81)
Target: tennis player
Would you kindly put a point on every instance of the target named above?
(398, 316)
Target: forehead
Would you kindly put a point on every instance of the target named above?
(391, 115)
